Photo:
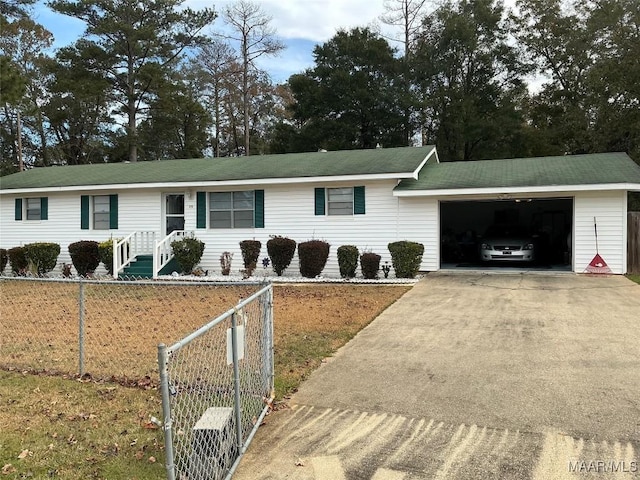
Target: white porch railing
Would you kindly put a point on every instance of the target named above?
(134, 244)
(162, 252)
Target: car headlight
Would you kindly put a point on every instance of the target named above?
(485, 246)
(528, 246)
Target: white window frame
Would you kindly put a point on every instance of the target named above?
(337, 211)
(37, 201)
(101, 224)
(232, 210)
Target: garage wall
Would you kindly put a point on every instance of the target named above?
(610, 209)
(418, 221)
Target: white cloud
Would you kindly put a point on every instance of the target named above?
(316, 20)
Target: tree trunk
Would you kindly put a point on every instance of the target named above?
(19, 138)
(245, 96)
(216, 112)
(131, 112)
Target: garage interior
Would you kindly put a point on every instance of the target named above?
(547, 221)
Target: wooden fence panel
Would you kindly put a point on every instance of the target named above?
(633, 242)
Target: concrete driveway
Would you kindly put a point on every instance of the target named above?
(473, 376)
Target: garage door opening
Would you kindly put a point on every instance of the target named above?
(525, 233)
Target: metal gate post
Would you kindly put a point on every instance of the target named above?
(166, 412)
(81, 329)
(236, 379)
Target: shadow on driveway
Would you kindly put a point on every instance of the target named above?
(473, 376)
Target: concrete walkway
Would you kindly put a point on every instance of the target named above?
(473, 376)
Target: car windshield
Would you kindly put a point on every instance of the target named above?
(510, 231)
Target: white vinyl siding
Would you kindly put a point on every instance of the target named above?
(610, 212)
(138, 211)
(289, 211)
(340, 201)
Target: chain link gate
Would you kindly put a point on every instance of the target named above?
(217, 386)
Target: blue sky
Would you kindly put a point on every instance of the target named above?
(300, 25)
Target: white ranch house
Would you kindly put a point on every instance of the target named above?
(366, 198)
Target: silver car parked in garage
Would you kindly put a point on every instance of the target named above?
(510, 243)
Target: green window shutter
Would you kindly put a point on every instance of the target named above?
(18, 209)
(44, 208)
(113, 211)
(201, 210)
(258, 213)
(358, 201)
(320, 203)
(84, 212)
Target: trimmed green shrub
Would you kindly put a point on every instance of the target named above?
(313, 257)
(348, 260)
(250, 250)
(106, 254)
(187, 252)
(281, 251)
(85, 256)
(42, 255)
(18, 259)
(370, 264)
(406, 258)
(4, 259)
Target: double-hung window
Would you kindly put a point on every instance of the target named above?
(340, 201)
(99, 212)
(231, 209)
(32, 208)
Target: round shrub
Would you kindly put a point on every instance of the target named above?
(406, 258)
(106, 254)
(187, 252)
(42, 255)
(281, 251)
(370, 264)
(313, 257)
(250, 250)
(18, 259)
(85, 256)
(348, 260)
(4, 259)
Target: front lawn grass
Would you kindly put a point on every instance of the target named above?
(634, 277)
(55, 427)
(312, 322)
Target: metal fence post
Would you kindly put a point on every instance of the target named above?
(166, 412)
(236, 378)
(270, 345)
(267, 336)
(81, 329)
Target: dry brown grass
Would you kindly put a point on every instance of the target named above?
(125, 322)
(67, 429)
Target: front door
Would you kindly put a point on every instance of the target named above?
(174, 212)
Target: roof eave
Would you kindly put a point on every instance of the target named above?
(446, 192)
(213, 183)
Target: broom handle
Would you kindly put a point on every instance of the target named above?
(595, 229)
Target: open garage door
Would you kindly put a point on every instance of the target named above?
(525, 233)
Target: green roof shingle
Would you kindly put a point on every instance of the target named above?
(401, 161)
(588, 169)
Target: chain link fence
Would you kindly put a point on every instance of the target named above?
(106, 330)
(217, 385)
